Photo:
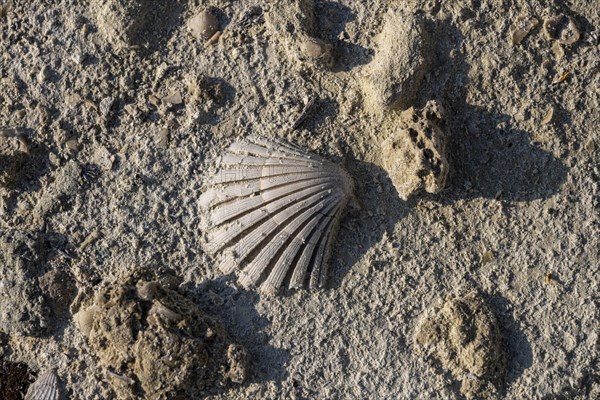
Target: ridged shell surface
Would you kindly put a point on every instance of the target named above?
(45, 387)
(272, 211)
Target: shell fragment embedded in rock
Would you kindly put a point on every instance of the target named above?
(562, 28)
(273, 210)
(522, 27)
(44, 388)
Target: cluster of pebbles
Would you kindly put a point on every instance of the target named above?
(560, 30)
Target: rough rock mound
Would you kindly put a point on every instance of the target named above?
(464, 337)
(295, 23)
(393, 78)
(152, 339)
(414, 154)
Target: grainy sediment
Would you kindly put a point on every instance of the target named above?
(121, 112)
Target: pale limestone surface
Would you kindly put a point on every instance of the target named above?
(520, 200)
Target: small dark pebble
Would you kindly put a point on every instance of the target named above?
(90, 173)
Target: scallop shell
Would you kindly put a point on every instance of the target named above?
(273, 209)
(45, 387)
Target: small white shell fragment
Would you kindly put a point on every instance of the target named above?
(147, 290)
(522, 27)
(548, 116)
(204, 25)
(106, 105)
(272, 210)
(45, 387)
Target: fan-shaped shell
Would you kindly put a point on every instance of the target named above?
(273, 210)
(45, 387)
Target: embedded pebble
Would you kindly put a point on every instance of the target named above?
(562, 28)
(84, 319)
(204, 25)
(548, 116)
(393, 79)
(103, 158)
(558, 50)
(317, 51)
(463, 336)
(44, 74)
(163, 138)
(173, 98)
(106, 105)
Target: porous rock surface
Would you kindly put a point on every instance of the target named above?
(414, 154)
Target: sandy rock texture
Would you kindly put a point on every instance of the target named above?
(155, 343)
(12, 155)
(464, 338)
(414, 153)
(298, 27)
(120, 113)
(394, 76)
(34, 298)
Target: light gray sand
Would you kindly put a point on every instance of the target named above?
(112, 175)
